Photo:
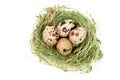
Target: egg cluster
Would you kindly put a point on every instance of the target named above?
(64, 36)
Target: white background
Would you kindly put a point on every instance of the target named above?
(17, 19)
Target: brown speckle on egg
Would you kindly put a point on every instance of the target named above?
(64, 29)
(77, 34)
(64, 50)
(72, 33)
(70, 22)
(50, 39)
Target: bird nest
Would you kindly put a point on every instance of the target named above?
(82, 55)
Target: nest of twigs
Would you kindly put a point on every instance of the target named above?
(82, 55)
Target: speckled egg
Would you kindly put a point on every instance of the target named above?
(50, 35)
(64, 27)
(77, 35)
(64, 46)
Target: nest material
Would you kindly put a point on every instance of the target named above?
(82, 55)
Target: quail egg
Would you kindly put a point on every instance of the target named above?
(50, 35)
(77, 35)
(64, 27)
(64, 46)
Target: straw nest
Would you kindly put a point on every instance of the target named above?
(82, 55)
